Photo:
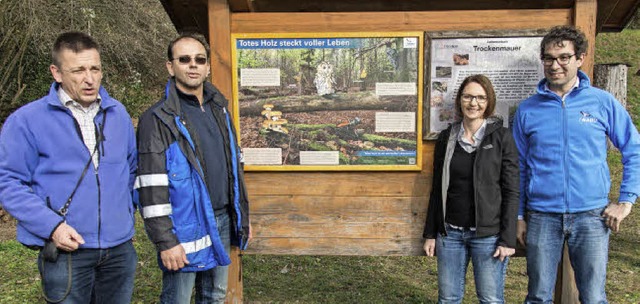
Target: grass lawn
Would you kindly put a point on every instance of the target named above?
(338, 279)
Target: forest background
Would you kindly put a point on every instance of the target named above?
(133, 35)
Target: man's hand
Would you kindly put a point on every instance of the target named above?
(521, 233)
(615, 213)
(503, 252)
(430, 247)
(174, 258)
(66, 238)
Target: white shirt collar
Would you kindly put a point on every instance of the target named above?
(67, 101)
(575, 86)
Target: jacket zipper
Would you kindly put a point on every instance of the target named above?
(564, 156)
(99, 143)
(99, 208)
(475, 181)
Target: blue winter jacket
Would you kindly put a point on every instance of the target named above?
(174, 199)
(42, 156)
(563, 149)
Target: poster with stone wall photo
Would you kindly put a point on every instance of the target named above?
(510, 59)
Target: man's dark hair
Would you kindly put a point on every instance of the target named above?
(73, 41)
(558, 34)
(200, 38)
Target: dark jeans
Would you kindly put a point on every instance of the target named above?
(90, 275)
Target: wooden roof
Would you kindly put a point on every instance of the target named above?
(613, 16)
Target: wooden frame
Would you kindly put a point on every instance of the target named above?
(509, 58)
(268, 216)
(329, 101)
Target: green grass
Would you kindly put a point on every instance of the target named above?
(347, 279)
(623, 48)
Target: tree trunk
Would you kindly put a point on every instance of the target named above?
(335, 102)
(613, 79)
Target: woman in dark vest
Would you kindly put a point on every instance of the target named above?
(474, 200)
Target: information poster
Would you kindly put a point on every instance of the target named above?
(510, 60)
(329, 101)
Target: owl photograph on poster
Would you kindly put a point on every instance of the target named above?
(324, 80)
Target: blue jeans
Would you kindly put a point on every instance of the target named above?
(90, 275)
(454, 252)
(587, 238)
(211, 285)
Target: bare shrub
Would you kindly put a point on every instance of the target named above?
(133, 35)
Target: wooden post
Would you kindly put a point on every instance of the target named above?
(566, 289)
(220, 40)
(584, 17)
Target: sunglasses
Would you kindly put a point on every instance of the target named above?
(187, 59)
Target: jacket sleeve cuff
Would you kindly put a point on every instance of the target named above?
(164, 245)
(428, 236)
(54, 229)
(627, 197)
(504, 244)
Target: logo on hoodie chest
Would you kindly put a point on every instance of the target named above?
(585, 117)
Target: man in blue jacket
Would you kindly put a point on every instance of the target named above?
(67, 167)
(561, 133)
(190, 179)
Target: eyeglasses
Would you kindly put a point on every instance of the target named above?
(187, 59)
(562, 59)
(480, 99)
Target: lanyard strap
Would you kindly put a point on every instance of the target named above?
(99, 138)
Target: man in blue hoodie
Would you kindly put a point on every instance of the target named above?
(561, 133)
(67, 166)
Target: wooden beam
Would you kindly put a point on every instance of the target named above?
(398, 21)
(585, 14)
(220, 41)
(250, 5)
(242, 5)
(332, 184)
(339, 246)
(338, 217)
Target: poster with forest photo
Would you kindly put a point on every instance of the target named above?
(329, 101)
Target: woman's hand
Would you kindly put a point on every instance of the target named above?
(430, 247)
(503, 252)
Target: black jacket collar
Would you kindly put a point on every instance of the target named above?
(171, 104)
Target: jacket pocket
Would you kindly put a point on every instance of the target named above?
(530, 185)
(186, 232)
(488, 206)
(178, 167)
